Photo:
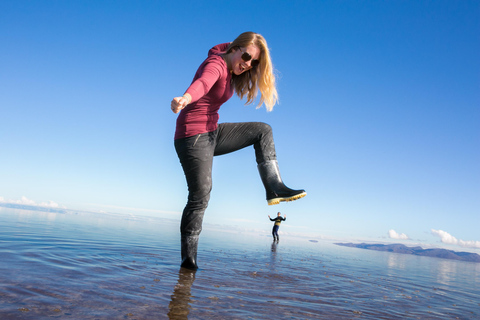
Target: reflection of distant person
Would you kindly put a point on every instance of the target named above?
(276, 226)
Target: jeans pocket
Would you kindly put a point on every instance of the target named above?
(196, 139)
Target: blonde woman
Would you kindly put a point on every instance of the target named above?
(244, 67)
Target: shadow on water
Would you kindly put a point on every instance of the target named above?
(180, 305)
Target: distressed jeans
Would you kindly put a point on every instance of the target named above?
(196, 156)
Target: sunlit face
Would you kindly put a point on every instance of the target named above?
(238, 64)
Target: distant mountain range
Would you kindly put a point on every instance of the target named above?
(418, 251)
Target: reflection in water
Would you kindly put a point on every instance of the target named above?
(396, 260)
(446, 271)
(179, 306)
(25, 215)
(274, 247)
(273, 255)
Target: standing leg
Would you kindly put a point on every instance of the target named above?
(275, 233)
(196, 156)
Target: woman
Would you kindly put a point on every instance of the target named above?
(242, 66)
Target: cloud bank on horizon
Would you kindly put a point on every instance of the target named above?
(25, 201)
(447, 238)
(52, 204)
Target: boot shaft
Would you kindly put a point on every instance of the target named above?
(276, 190)
(189, 247)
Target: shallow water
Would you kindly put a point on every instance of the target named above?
(99, 266)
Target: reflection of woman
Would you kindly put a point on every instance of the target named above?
(242, 66)
(179, 306)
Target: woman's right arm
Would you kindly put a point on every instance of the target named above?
(178, 103)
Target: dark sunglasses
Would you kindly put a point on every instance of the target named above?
(247, 57)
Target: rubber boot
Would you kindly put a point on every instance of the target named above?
(189, 252)
(276, 190)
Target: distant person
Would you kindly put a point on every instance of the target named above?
(278, 220)
(242, 67)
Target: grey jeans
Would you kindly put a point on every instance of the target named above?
(196, 156)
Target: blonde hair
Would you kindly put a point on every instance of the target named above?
(261, 78)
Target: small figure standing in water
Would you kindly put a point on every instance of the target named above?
(278, 220)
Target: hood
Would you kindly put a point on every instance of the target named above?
(218, 49)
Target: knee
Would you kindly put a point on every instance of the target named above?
(265, 134)
(198, 203)
(264, 128)
(199, 189)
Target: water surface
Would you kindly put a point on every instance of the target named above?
(100, 266)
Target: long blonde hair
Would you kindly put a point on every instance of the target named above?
(261, 78)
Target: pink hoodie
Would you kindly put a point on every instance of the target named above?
(209, 89)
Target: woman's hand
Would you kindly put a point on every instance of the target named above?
(178, 103)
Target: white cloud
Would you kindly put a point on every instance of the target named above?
(50, 204)
(445, 237)
(394, 235)
(25, 201)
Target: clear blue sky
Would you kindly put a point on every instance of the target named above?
(379, 114)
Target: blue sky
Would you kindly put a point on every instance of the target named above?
(379, 114)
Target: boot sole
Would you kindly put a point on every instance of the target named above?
(275, 201)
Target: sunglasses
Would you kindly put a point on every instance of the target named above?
(247, 57)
